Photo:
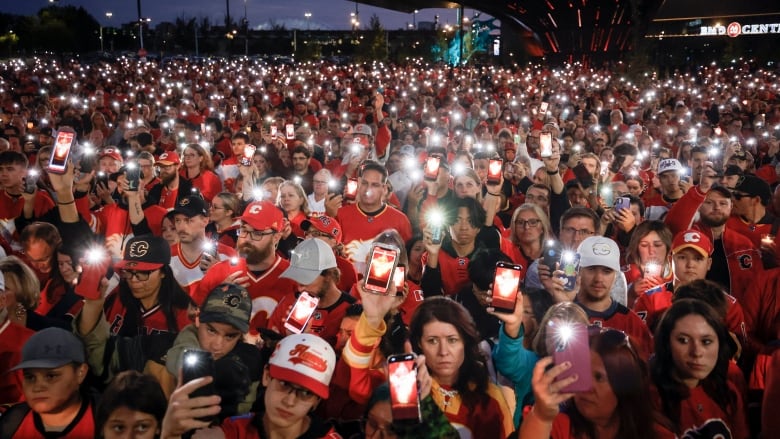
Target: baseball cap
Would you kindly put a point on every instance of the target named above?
(324, 224)
(362, 128)
(408, 149)
(692, 239)
(111, 152)
(733, 170)
(754, 187)
(145, 252)
(307, 261)
(261, 215)
(740, 155)
(51, 348)
(304, 359)
(168, 158)
(669, 165)
(229, 304)
(191, 205)
(360, 141)
(599, 251)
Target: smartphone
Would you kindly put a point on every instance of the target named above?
(197, 363)
(622, 203)
(102, 178)
(583, 175)
(381, 266)
(133, 175)
(506, 285)
(63, 143)
(569, 342)
(289, 131)
(274, 130)
(607, 195)
(570, 265)
(432, 165)
(249, 153)
(545, 141)
(235, 109)
(718, 131)
(495, 168)
(399, 278)
(404, 394)
(543, 107)
(31, 181)
(617, 163)
(350, 190)
(468, 142)
(301, 312)
(92, 270)
(551, 254)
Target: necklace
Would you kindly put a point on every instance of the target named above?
(448, 395)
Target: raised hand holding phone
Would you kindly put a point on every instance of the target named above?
(94, 267)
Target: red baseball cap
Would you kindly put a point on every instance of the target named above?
(693, 239)
(324, 224)
(169, 158)
(111, 152)
(261, 215)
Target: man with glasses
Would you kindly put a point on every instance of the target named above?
(146, 165)
(328, 230)
(750, 217)
(172, 186)
(194, 253)
(258, 267)
(598, 273)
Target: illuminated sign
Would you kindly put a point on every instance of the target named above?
(734, 29)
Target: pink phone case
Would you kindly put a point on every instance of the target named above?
(576, 350)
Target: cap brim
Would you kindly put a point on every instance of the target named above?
(165, 163)
(48, 363)
(285, 374)
(220, 317)
(693, 247)
(137, 265)
(300, 275)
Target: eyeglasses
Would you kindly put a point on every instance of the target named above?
(300, 393)
(320, 182)
(318, 234)
(531, 223)
(254, 235)
(140, 275)
(373, 428)
(581, 232)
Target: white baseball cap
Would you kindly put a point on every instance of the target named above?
(308, 260)
(669, 165)
(599, 251)
(306, 360)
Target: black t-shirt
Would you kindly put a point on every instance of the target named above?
(719, 272)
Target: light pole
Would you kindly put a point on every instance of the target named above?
(246, 32)
(414, 19)
(108, 16)
(308, 16)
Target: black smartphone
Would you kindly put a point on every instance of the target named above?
(570, 265)
(404, 393)
(506, 286)
(583, 175)
(551, 254)
(617, 164)
(101, 178)
(133, 175)
(197, 363)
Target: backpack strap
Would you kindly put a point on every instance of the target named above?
(12, 419)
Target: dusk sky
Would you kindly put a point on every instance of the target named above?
(331, 14)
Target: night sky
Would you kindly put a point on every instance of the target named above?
(330, 14)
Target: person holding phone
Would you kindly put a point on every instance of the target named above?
(296, 381)
(617, 406)
(445, 333)
(314, 269)
(14, 201)
(292, 199)
(529, 230)
(648, 257)
(198, 169)
(689, 371)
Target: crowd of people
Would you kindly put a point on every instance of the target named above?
(202, 259)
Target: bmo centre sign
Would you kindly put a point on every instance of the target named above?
(734, 29)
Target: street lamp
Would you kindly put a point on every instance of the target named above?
(108, 15)
(414, 19)
(308, 16)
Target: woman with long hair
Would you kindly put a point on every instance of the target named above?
(292, 199)
(198, 168)
(223, 216)
(617, 405)
(443, 331)
(648, 258)
(690, 373)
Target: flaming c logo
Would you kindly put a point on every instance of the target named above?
(139, 249)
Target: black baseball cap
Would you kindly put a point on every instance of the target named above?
(191, 205)
(146, 253)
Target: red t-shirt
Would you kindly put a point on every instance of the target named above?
(152, 320)
(206, 182)
(82, 426)
(361, 229)
(12, 338)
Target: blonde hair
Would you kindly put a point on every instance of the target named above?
(21, 278)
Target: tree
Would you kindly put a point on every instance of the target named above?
(375, 48)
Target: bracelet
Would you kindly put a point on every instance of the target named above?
(66, 203)
(552, 173)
